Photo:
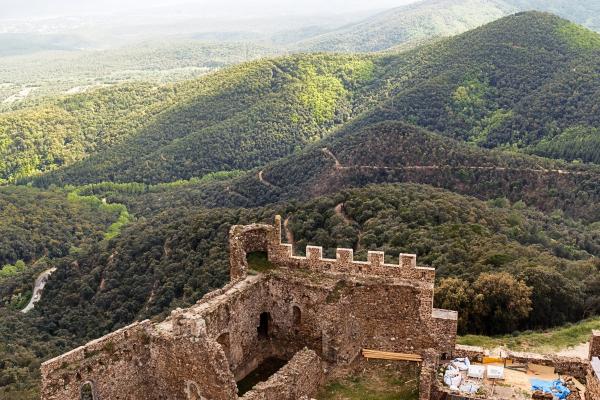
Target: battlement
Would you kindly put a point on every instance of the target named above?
(324, 314)
(267, 238)
(345, 263)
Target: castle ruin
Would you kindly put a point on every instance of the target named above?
(317, 314)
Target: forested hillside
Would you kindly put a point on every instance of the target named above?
(460, 151)
(527, 82)
(173, 258)
(380, 153)
(41, 226)
(411, 23)
(235, 119)
(513, 83)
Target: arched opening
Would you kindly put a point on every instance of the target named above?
(192, 391)
(259, 261)
(87, 391)
(264, 327)
(296, 316)
(225, 343)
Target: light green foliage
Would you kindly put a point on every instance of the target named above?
(578, 37)
(115, 228)
(319, 92)
(12, 270)
(490, 123)
(471, 106)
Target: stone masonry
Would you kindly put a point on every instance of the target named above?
(316, 312)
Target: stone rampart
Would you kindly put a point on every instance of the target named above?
(114, 365)
(312, 310)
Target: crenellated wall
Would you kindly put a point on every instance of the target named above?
(306, 309)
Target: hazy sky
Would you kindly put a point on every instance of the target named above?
(217, 8)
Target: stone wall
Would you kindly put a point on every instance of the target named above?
(306, 309)
(572, 366)
(593, 380)
(300, 377)
(475, 353)
(115, 365)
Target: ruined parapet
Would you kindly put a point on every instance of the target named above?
(282, 254)
(113, 360)
(267, 238)
(300, 377)
(244, 239)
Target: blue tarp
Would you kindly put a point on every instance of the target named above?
(557, 388)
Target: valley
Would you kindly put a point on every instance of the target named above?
(478, 152)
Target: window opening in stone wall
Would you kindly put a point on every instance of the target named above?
(87, 391)
(296, 316)
(264, 325)
(225, 343)
(259, 261)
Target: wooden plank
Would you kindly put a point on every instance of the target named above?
(386, 355)
(492, 360)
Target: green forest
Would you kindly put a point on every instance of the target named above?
(479, 153)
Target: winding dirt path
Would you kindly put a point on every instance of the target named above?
(339, 211)
(265, 182)
(38, 288)
(328, 153)
(339, 166)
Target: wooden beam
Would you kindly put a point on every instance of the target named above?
(386, 355)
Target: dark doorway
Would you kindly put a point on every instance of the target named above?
(264, 328)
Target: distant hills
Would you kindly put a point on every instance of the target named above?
(515, 84)
(437, 18)
(479, 152)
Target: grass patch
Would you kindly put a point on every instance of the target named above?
(373, 385)
(258, 261)
(540, 342)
